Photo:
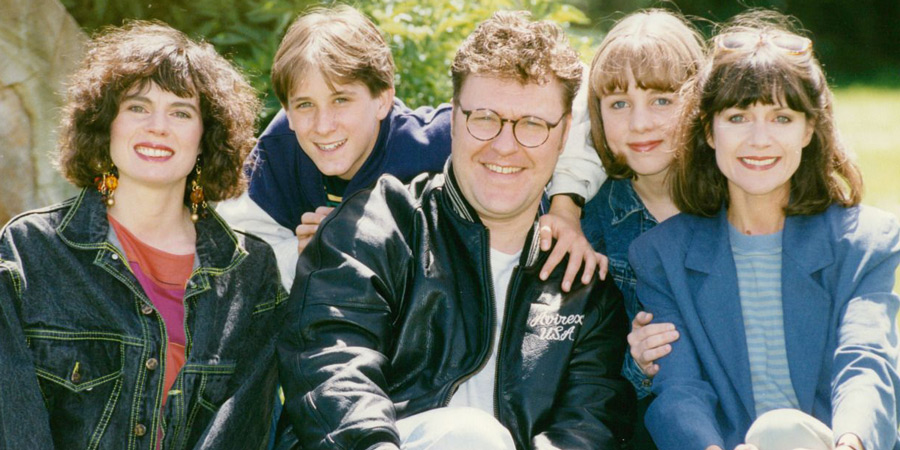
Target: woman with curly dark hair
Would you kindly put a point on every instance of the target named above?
(131, 316)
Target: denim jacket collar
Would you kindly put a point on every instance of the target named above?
(531, 250)
(623, 200)
(85, 226)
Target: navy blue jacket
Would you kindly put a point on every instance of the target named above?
(285, 183)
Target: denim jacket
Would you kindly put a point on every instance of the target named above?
(82, 348)
(612, 220)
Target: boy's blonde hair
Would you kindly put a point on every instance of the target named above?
(341, 43)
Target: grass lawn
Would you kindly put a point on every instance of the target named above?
(869, 121)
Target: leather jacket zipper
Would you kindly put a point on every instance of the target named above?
(511, 289)
(486, 275)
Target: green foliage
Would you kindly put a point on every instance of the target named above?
(424, 36)
(246, 31)
(424, 33)
(867, 117)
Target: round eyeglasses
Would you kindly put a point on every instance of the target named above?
(743, 40)
(529, 131)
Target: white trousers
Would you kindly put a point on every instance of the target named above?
(454, 429)
(787, 429)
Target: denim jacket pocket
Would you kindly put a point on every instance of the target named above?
(75, 369)
(211, 384)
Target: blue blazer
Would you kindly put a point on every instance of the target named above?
(839, 315)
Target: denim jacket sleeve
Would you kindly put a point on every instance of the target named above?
(244, 213)
(633, 373)
(245, 415)
(24, 422)
(594, 233)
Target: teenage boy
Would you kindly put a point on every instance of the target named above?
(339, 129)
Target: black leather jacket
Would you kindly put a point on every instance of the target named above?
(398, 311)
(82, 349)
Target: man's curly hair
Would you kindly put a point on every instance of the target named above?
(120, 59)
(511, 45)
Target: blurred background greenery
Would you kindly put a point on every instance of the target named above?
(856, 42)
(424, 34)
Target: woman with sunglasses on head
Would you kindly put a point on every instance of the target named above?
(777, 279)
(131, 316)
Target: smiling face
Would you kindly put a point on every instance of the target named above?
(639, 125)
(500, 178)
(759, 148)
(337, 126)
(155, 137)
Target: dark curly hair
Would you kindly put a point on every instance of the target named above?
(511, 45)
(120, 59)
(768, 75)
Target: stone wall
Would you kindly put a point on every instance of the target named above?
(40, 44)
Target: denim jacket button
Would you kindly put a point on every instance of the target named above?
(115, 257)
(646, 382)
(146, 310)
(140, 430)
(152, 364)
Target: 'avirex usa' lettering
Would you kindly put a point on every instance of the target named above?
(556, 327)
(553, 319)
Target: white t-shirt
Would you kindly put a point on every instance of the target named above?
(478, 391)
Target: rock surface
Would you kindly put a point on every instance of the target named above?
(40, 44)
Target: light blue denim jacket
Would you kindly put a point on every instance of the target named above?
(612, 220)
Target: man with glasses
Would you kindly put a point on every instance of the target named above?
(430, 327)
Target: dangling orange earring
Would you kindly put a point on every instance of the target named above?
(197, 200)
(107, 184)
